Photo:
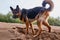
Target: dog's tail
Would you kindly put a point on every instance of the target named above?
(51, 4)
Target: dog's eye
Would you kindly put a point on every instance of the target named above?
(14, 12)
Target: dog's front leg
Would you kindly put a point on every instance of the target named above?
(39, 24)
(33, 32)
(27, 25)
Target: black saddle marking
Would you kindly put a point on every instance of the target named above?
(31, 13)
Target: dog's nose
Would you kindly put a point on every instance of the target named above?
(14, 16)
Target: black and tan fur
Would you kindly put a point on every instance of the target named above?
(41, 17)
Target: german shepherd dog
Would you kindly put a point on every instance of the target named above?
(40, 14)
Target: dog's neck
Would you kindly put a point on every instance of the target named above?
(22, 16)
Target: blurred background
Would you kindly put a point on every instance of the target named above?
(5, 12)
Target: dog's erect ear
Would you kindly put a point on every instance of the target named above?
(17, 7)
(11, 8)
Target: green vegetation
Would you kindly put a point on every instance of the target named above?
(54, 21)
(7, 18)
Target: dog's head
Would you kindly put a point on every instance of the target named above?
(16, 12)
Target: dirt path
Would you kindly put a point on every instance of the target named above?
(7, 33)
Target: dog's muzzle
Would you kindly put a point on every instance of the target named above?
(14, 16)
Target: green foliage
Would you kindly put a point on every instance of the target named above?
(6, 18)
(54, 21)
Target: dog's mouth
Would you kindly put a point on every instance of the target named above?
(14, 16)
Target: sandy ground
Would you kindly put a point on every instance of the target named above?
(8, 31)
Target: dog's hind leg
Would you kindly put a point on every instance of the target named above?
(33, 32)
(47, 25)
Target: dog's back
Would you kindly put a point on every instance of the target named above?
(32, 13)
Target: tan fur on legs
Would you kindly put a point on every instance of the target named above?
(33, 32)
(47, 25)
(45, 22)
(27, 26)
(39, 24)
